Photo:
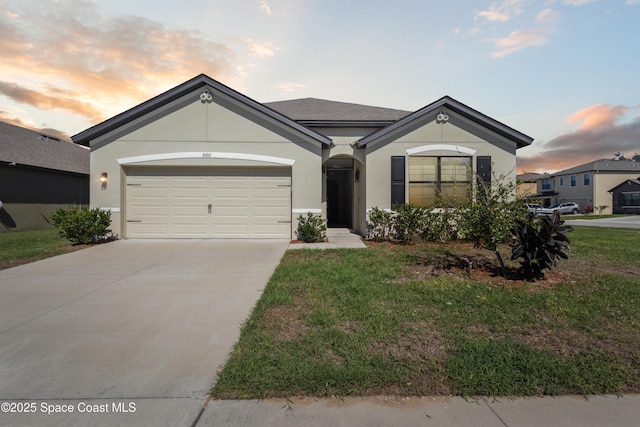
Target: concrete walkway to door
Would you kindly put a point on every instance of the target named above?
(126, 333)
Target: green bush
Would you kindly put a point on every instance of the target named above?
(409, 222)
(443, 225)
(489, 220)
(311, 228)
(381, 225)
(82, 225)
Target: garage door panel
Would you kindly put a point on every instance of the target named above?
(175, 203)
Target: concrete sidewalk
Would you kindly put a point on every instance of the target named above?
(337, 238)
(596, 411)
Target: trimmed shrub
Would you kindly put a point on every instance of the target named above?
(82, 225)
(381, 224)
(311, 229)
(409, 222)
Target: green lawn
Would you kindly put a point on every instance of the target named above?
(396, 320)
(592, 216)
(26, 246)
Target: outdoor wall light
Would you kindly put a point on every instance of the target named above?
(104, 179)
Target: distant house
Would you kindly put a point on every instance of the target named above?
(527, 184)
(38, 174)
(626, 197)
(587, 184)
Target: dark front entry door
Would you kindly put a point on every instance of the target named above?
(340, 198)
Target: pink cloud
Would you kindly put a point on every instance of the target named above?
(597, 116)
(519, 40)
(599, 136)
(96, 65)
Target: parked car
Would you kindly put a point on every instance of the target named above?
(562, 208)
(534, 208)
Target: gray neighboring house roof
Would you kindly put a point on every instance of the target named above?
(519, 138)
(314, 111)
(530, 177)
(202, 80)
(30, 148)
(602, 165)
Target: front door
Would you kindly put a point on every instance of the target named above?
(340, 193)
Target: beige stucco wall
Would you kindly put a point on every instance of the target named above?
(457, 132)
(526, 189)
(188, 125)
(581, 194)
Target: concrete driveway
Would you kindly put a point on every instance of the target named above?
(127, 333)
(632, 221)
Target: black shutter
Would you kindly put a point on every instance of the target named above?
(483, 171)
(397, 180)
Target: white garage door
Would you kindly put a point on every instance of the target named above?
(208, 203)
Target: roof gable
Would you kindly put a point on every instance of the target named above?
(313, 110)
(26, 147)
(517, 137)
(628, 182)
(181, 90)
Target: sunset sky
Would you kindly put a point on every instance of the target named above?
(565, 72)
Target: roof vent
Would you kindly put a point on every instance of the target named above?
(47, 138)
(443, 116)
(206, 96)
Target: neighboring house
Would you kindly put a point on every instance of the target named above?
(587, 184)
(204, 161)
(626, 197)
(528, 184)
(38, 174)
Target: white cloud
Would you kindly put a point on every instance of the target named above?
(265, 7)
(579, 2)
(502, 12)
(630, 2)
(290, 86)
(261, 50)
(519, 40)
(547, 16)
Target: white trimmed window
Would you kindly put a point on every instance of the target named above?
(435, 178)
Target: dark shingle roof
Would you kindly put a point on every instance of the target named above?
(602, 165)
(27, 147)
(322, 110)
(529, 177)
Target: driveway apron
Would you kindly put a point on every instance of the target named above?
(130, 332)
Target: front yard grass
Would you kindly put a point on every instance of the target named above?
(21, 247)
(429, 320)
